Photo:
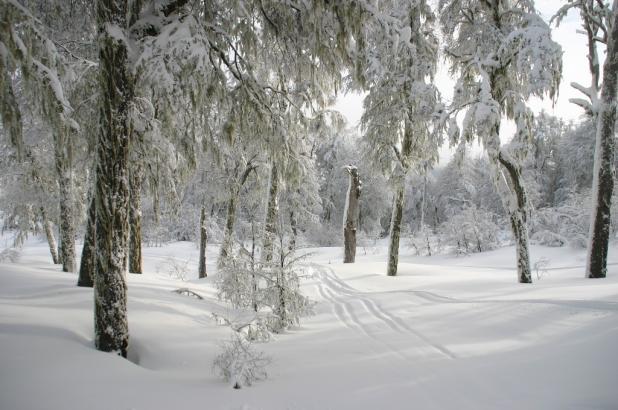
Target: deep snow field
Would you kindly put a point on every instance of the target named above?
(447, 333)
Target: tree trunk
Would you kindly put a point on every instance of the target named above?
(272, 209)
(51, 239)
(87, 263)
(294, 228)
(603, 178)
(203, 238)
(228, 235)
(350, 215)
(254, 281)
(135, 218)
(518, 216)
(112, 180)
(63, 159)
(423, 199)
(396, 219)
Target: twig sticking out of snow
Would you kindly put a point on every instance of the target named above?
(188, 292)
(239, 363)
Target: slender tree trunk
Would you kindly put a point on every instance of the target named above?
(88, 261)
(399, 200)
(51, 239)
(294, 228)
(228, 234)
(396, 220)
(203, 239)
(423, 198)
(518, 216)
(135, 218)
(350, 216)
(272, 209)
(63, 158)
(254, 282)
(112, 175)
(603, 178)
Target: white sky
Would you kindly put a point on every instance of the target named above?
(574, 69)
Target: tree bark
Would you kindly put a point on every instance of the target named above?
(203, 238)
(112, 179)
(135, 218)
(518, 217)
(272, 209)
(51, 239)
(228, 234)
(294, 229)
(396, 219)
(350, 216)
(603, 177)
(63, 155)
(399, 200)
(87, 263)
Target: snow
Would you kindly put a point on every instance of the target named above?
(447, 332)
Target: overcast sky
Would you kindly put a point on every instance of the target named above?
(574, 68)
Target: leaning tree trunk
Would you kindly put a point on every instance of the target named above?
(51, 239)
(135, 218)
(518, 216)
(603, 178)
(112, 179)
(87, 263)
(272, 209)
(203, 238)
(350, 215)
(63, 158)
(396, 219)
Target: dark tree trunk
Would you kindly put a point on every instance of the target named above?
(603, 178)
(51, 239)
(112, 180)
(350, 217)
(88, 261)
(518, 217)
(135, 218)
(396, 220)
(203, 239)
(63, 154)
(294, 228)
(228, 234)
(399, 201)
(272, 209)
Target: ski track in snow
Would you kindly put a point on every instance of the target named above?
(341, 296)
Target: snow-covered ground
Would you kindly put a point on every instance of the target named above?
(448, 333)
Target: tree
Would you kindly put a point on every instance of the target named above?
(241, 169)
(87, 265)
(203, 238)
(401, 60)
(51, 77)
(272, 214)
(350, 215)
(503, 53)
(600, 25)
(112, 178)
(603, 182)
